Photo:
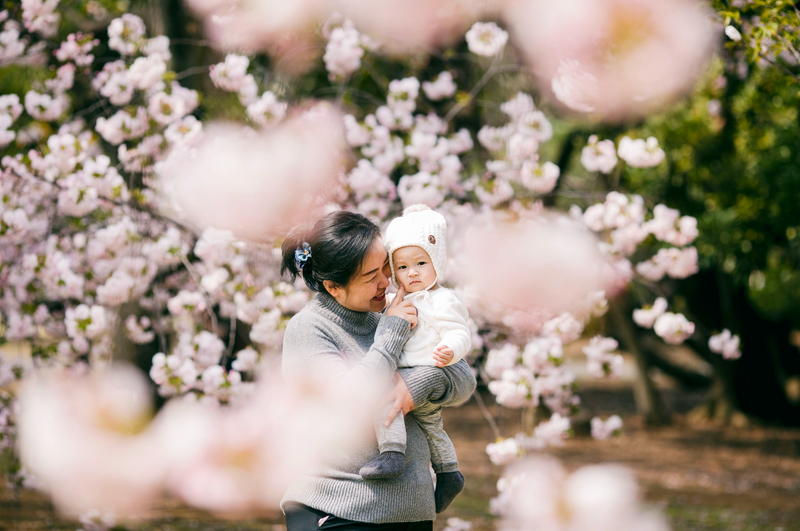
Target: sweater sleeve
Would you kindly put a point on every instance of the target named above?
(446, 386)
(452, 326)
(309, 351)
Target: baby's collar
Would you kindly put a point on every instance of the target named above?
(423, 294)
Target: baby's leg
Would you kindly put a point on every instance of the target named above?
(443, 453)
(392, 445)
(449, 481)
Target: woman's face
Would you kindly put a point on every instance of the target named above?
(366, 292)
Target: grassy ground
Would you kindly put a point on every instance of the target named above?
(709, 480)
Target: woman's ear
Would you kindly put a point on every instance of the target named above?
(333, 289)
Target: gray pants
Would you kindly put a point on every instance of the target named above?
(429, 417)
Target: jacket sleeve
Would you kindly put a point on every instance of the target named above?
(452, 326)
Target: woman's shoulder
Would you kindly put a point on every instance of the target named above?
(308, 316)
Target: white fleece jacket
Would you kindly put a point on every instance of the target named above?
(441, 320)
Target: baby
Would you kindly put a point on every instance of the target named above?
(417, 257)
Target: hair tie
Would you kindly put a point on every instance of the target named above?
(302, 256)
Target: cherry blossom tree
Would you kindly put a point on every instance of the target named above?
(131, 216)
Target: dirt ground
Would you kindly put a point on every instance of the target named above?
(732, 479)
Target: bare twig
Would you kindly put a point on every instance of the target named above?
(487, 415)
(493, 69)
(191, 71)
(209, 307)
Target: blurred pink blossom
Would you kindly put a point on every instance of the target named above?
(614, 58)
(726, 344)
(240, 460)
(440, 88)
(401, 25)
(503, 452)
(252, 182)
(604, 429)
(84, 440)
(538, 493)
(549, 263)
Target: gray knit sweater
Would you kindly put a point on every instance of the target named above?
(327, 338)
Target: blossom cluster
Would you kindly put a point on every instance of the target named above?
(82, 236)
(393, 136)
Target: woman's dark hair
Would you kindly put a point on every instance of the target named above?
(339, 244)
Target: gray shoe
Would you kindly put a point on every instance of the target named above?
(448, 485)
(385, 466)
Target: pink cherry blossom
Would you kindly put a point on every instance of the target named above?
(726, 344)
(645, 317)
(599, 155)
(673, 328)
(615, 58)
(83, 440)
(640, 153)
(486, 38)
(503, 452)
(600, 358)
(605, 429)
(343, 52)
(553, 431)
(251, 182)
(145, 72)
(440, 88)
(499, 360)
(267, 110)
(125, 33)
(230, 74)
(551, 248)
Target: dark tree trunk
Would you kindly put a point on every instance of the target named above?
(755, 384)
(648, 401)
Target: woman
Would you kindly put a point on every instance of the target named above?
(340, 334)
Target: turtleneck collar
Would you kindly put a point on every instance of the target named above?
(351, 320)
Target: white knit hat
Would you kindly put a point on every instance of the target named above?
(422, 227)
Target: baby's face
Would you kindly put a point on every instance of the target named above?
(413, 268)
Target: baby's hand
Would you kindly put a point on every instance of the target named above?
(443, 355)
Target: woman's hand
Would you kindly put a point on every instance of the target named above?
(401, 399)
(403, 308)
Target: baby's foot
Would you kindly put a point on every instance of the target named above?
(448, 485)
(386, 465)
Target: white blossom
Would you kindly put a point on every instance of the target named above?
(726, 344)
(600, 358)
(503, 452)
(733, 33)
(125, 33)
(673, 328)
(645, 317)
(640, 153)
(486, 39)
(440, 88)
(230, 74)
(605, 429)
(599, 155)
(343, 52)
(267, 110)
